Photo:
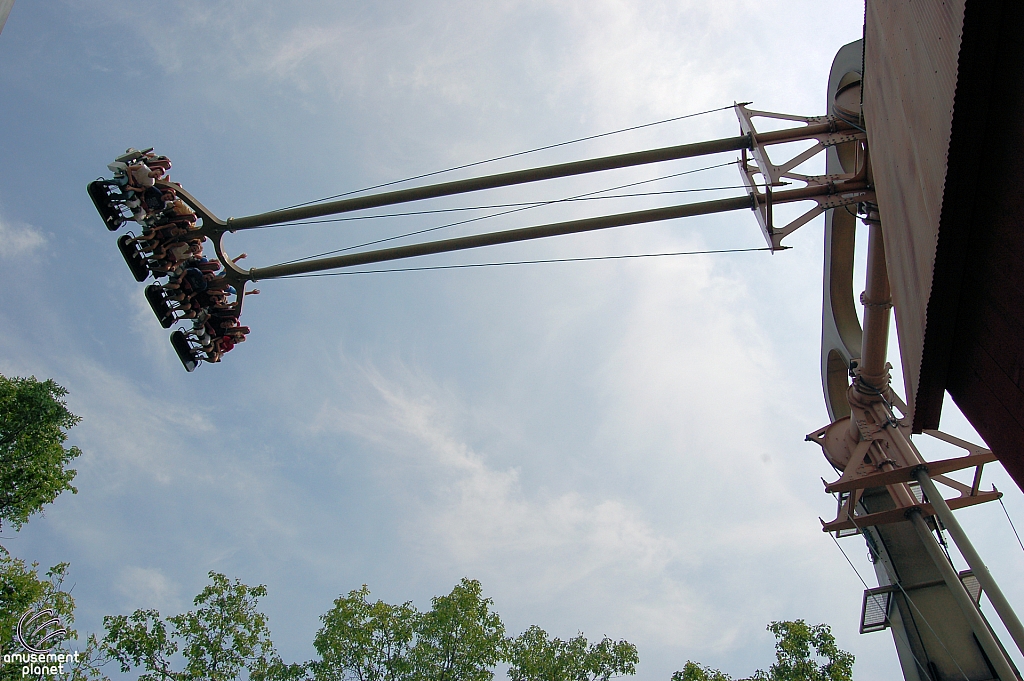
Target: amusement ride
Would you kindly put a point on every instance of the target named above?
(886, 492)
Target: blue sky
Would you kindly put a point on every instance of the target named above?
(613, 447)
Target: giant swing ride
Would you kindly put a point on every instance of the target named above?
(173, 219)
(886, 491)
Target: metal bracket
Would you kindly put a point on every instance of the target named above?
(860, 475)
(759, 163)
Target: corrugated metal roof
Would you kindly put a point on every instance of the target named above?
(910, 76)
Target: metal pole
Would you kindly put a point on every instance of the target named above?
(491, 181)
(527, 233)
(988, 584)
(963, 599)
(509, 236)
(877, 301)
(529, 175)
(5, 10)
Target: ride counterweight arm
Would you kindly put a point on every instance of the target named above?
(527, 233)
(523, 176)
(493, 238)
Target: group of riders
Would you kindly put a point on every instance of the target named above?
(191, 285)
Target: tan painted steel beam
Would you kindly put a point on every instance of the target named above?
(877, 302)
(907, 474)
(528, 233)
(5, 10)
(505, 237)
(988, 584)
(963, 599)
(529, 175)
(899, 515)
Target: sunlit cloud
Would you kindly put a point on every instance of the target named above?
(148, 588)
(18, 240)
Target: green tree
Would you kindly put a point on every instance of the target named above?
(227, 634)
(693, 671)
(33, 425)
(807, 653)
(365, 641)
(223, 636)
(140, 640)
(460, 639)
(22, 590)
(802, 653)
(532, 656)
(276, 669)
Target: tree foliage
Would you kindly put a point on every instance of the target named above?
(800, 649)
(226, 634)
(23, 590)
(694, 671)
(223, 636)
(140, 640)
(802, 653)
(532, 656)
(33, 425)
(365, 641)
(459, 639)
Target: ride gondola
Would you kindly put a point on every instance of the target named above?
(188, 287)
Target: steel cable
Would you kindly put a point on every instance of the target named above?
(506, 156)
(506, 212)
(527, 262)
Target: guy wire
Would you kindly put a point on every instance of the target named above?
(506, 212)
(1009, 520)
(526, 262)
(518, 153)
(530, 204)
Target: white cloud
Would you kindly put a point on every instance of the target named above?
(18, 239)
(148, 588)
(475, 511)
(598, 555)
(132, 432)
